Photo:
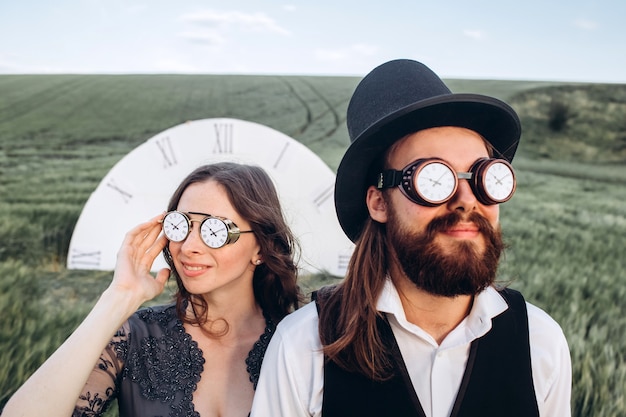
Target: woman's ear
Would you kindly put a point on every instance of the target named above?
(376, 204)
(257, 259)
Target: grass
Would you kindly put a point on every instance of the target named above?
(566, 225)
(566, 256)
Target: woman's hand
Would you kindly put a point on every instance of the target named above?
(139, 249)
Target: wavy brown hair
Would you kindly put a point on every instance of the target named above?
(252, 193)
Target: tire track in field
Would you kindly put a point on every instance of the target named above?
(330, 108)
(311, 120)
(309, 114)
(25, 105)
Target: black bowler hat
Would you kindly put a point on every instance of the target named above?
(401, 97)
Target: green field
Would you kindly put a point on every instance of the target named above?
(565, 227)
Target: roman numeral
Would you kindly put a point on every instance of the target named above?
(167, 151)
(324, 196)
(126, 196)
(281, 154)
(342, 262)
(85, 258)
(223, 138)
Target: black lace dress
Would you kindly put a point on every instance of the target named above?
(152, 366)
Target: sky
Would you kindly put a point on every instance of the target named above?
(564, 40)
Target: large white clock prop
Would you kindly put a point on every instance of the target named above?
(138, 187)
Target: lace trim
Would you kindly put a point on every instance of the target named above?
(255, 356)
(167, 366)
(96, 405)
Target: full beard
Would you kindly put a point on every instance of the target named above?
(460, 269)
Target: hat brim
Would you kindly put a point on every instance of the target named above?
(493, 119)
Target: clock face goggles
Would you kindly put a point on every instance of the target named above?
(214, 231)
(432, 182)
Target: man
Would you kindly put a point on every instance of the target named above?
(418, 327)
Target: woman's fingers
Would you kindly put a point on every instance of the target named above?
(141, 237)
(154, 250)
(142, 245)
(144, 235)
(140, 248)
(162, 276)
(140, 230)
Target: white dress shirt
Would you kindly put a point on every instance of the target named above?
(292, 375)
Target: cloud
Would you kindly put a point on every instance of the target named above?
(343, 54)
(474, 34)
(206, 37)
(585, 24)
(235, 19)
(289, 8)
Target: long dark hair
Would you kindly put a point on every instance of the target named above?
(348, 321)
(252, 193)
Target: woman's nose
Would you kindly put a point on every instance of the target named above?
(193, 242)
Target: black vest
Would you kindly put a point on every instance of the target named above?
(497, 381)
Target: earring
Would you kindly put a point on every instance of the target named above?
(258, 262)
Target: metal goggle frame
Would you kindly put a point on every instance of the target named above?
(432, 181)
(214, 231)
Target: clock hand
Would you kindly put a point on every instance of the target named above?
(436, 182)
(499, 180)
(175, 226)
(214, 233)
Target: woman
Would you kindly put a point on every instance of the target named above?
(232, 254)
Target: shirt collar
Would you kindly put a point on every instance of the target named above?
(487, 305)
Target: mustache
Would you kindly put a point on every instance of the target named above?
(447, 221)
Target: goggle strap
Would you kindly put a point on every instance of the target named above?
(389, 178)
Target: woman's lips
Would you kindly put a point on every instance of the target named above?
(193, 270)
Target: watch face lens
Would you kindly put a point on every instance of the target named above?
(499, 182)
(435, 182)
(175, 226)
(214, 232)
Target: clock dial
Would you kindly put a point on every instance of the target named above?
(499, 181)
(435, 182)
(176, 226)
(214, 232)
(140, 185)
